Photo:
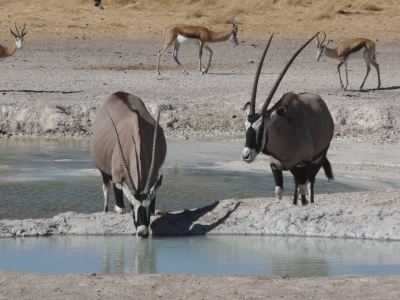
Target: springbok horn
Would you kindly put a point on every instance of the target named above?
(278, 81)
(23, 29)
(254, 92)
(153, 158)
(323, 39)
(318, 44)
(17, 29)
(129, 180)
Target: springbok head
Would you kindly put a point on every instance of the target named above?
(257, 123)
(19, 37)
(233, 37)
(142, 201)
(320, 46)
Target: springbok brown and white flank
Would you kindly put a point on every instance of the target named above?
(19, 38)
(128, 147)
(188, 34)
(295, 133)
(350, 49)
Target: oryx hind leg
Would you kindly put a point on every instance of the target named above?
(106, 190)
(300, 174)
(119, 199)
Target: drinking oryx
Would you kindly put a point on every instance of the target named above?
(295, 133)
(128, 147)
(350, 49)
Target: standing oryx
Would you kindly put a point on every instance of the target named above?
(350, 49)
(129, 148)
(295, 133)
(188, 34)
(19, 38)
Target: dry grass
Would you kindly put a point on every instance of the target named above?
(50, 19)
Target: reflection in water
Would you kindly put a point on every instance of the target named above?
(205, 255)
(42, 178)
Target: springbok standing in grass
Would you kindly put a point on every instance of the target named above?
(350, 49)
(188, 34)
(128, 147)
(19, 38)
(295, 133)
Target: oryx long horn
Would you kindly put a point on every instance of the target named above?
(153, 158)
(254, 92)
(129, 180)
(278, 81)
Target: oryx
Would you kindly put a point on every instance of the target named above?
(295, 133)
(128, 147)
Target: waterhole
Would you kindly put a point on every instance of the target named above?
(42, 178)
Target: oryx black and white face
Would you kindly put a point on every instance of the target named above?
(320, 50)
(143, 207)
(255, 137)
(257, 132)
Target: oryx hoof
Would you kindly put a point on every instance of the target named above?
(119, 210)
(304, 203)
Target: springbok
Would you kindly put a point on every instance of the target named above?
(128, 147)
(350, 49)
(188, 34)
(295, 133)
(19, 38)
(98, 4)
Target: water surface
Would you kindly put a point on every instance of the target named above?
(204, 255)
(41, 178)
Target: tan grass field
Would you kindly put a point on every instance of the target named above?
(143, 19)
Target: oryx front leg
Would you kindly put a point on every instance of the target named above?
(106, 191)
(209, 61)
(119, 199)
(278, 176)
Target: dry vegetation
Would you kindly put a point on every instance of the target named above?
(138, 19)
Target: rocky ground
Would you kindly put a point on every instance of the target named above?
(52, 89)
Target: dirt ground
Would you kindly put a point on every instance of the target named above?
(74, 57)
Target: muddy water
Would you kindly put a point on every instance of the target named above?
(41, 178)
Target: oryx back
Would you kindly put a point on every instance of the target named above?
(304, 132)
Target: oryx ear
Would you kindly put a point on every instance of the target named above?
(317, 41)
(156, 186)
(246, 107)
(279, 113)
